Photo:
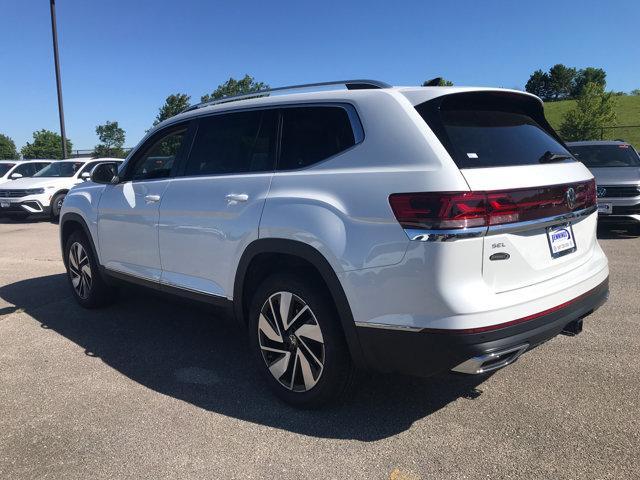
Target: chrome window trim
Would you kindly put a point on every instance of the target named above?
(419, 235)
(349, 108)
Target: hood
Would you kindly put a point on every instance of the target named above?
(37, 182)
(616, 175)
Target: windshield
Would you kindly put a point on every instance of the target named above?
(606, 155)
(5, 167)
(60, 169)
(481, 130)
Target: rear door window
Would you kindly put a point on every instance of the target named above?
(239, 142)
(312, 134)
(481, 130)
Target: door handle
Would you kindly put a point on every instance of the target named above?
(233, 198)
(152, 198)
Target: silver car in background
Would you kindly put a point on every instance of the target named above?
(616, 167)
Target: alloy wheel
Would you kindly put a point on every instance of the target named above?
(291, 341)
(80, 270)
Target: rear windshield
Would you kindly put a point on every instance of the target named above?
(481, 130)
(606, 155)
(5, 167)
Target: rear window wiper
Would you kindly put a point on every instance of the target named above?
(548, 157)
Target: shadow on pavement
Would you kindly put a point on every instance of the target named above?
(615, 232)
(189, 353)
(23, 221)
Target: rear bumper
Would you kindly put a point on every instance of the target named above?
(624, 210)
(427, 352)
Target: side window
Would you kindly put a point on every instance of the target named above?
(40, 166)
(88, 167)
(157, 160)
(312, 134)
(26, 169)
(238, 142)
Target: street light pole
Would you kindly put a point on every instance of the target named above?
(56, 60)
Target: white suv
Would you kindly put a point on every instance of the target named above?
(410, 230)
(44, 192)
(15, 169)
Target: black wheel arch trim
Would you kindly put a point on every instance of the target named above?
(322, 265)
(76, 218)
(59, 192)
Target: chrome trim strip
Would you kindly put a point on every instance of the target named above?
(382, 326)
(132, 275)
(419, 235)
(444, 235)
(541, 222)
(193, 290)
(164, 283)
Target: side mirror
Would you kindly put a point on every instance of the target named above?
(105, 173)
(15, 176)
(85, 176)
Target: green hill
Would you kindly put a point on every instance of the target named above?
(627, 110)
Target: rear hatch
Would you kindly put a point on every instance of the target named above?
(508, 152)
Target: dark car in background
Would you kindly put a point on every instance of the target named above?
(616, 166)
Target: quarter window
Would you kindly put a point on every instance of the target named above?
(313, 134)
(240, 142)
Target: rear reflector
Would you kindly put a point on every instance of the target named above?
(600, 289)
(454, 210)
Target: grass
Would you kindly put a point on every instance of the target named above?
(627, 110)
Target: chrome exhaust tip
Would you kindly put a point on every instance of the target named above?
(491, 361)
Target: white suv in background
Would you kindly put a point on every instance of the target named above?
(45, 191)
(15, 169)
(410, 230)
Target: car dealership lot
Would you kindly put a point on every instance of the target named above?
(155, 388)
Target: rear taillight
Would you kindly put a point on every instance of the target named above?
(454, 210)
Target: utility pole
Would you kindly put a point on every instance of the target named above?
(56, 60)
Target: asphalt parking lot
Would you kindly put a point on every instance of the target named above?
(155, 388)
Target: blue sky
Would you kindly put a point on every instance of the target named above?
(120, 59)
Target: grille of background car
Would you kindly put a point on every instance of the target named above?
(616, 191)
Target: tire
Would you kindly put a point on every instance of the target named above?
(87, 285)
(304, 359)
(56, 205)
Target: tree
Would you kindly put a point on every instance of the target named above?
(173, 105)
(112, 139)
(46, 144)
(561, 81)
(437, 82)
(594, 110)
(538, 84)
(588, 75)
(635, 92)
(7, 148)
(235, 87)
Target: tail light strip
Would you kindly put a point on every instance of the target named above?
(450, 215)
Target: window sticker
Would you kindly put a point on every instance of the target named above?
(472, 155)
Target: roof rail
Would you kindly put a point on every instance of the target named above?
(350, 84)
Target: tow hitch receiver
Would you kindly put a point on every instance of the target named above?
(572, 329)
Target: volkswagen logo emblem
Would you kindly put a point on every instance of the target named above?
(571, 197)
(601, 192)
